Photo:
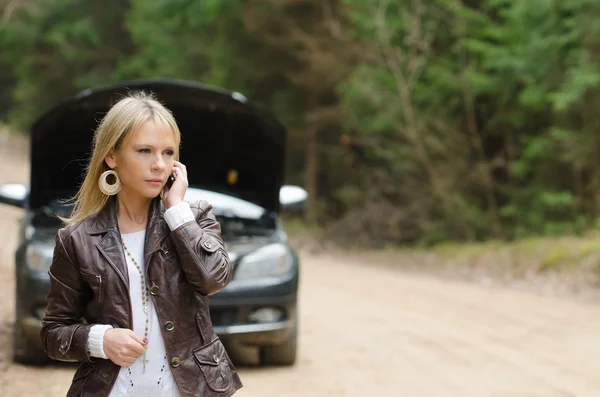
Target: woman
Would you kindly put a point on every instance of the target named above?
(133, 268)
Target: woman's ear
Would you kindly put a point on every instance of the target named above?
(111, 160)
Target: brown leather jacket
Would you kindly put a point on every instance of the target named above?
(89, 285)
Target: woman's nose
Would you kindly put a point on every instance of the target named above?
(159, 163)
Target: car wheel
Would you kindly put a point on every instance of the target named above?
(24, 352)
(283, 354)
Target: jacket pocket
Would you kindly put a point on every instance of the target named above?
(95, 282)
(209, 244)
(214, 365)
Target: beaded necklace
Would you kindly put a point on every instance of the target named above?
(145, 295)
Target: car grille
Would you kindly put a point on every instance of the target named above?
(222, 316)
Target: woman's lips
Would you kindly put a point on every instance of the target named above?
(154, 182)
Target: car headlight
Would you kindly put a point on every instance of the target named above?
(39, 256)
(269, 261)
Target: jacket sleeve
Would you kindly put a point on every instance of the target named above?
(201, 251)
(64, 335)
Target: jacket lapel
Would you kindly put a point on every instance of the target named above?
(110, 246)
(157, 231)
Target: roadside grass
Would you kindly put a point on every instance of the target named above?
(566, 264)
(540, 254)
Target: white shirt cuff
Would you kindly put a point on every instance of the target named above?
(179, 214)
(96, 340)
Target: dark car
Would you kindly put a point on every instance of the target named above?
(234, 153)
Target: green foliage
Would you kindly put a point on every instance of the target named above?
(459, 120)
(56, 48)
(180, 39)
(503, 96)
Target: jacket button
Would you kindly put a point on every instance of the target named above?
(169, 326)
(175, 362)
(154, 290)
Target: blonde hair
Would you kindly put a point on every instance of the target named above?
(124, 117)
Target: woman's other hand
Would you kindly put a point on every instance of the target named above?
(123, 346)
(175, 194)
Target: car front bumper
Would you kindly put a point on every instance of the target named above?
(261, 312)
(32, 289)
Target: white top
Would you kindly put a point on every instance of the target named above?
(158, 379)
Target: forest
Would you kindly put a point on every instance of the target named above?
(409, 122)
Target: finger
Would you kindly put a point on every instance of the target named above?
(138, 351)
(124, 361)
(127, 363)
(137, 348)
(181, 167)
(127, 352)
(180, 174)
(131, 357)
(136, 337)
(123, 356)
(177, 171)
(128, 358)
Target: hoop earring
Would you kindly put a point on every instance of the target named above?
(105, 187)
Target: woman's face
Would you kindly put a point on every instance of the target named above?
(145, 160)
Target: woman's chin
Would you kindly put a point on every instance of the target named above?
(150, 193)
(153, 194)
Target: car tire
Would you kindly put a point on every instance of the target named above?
(24, 352)
(283, 354)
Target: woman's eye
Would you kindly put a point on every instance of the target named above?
(169, 152)
(144, 151)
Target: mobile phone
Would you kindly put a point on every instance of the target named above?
(170, 181)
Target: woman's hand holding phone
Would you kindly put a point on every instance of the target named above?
(174, 192)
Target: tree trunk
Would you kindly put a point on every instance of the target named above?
(489, 185)
(311, 173)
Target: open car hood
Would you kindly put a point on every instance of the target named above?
(222, 135)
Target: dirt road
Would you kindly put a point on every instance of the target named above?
(369, 330)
